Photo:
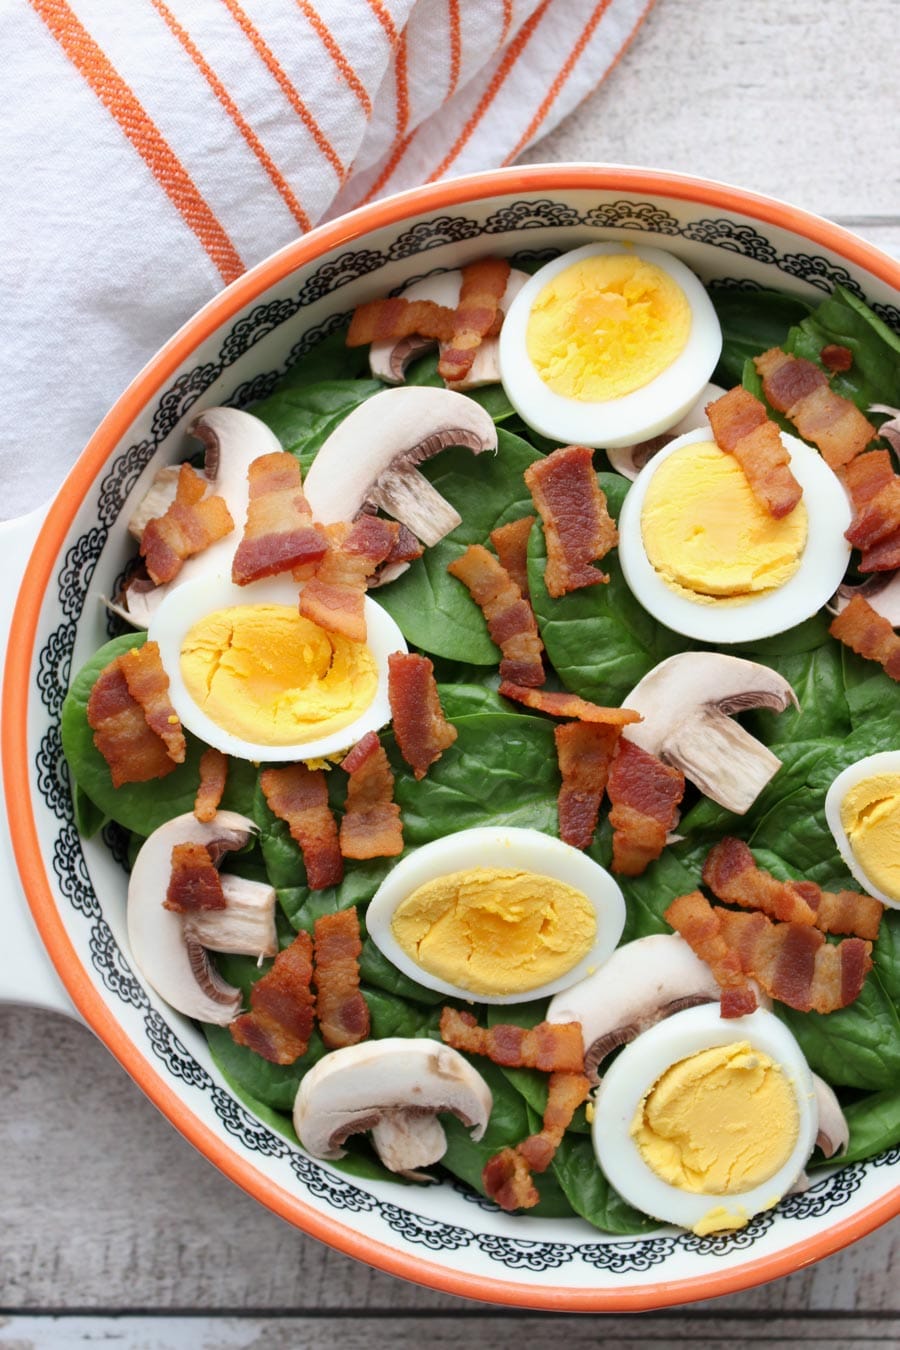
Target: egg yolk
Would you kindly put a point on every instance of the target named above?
(707, 536)
(492, 930)
(870, 815)
(607, 326)
(269, 676)
(720, 1122)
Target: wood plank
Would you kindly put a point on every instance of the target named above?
(141, 1220)
(504, 1331)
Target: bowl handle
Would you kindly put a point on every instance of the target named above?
(27, 975)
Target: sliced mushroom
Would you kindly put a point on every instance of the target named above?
(388, 360)
(834, 1132)
(641, 983)
(881, 589)
(396, 1088)
(890, 429)
(232, 439)
(686, 704)
(169, 949)
(156, 501)
(628, 460)
(370, 459)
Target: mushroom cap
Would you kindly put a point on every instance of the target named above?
(176, 967)
(349, 1090)
(834, 1132)
(880, 589)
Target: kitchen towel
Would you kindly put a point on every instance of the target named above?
(154, 149)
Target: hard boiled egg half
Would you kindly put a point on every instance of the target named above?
(608, 345)
(705, 559)
(862, 808)
(704, 1122)
(497, 915)
(253, 678)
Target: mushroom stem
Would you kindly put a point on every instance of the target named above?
(407, 495)
(407, 1139)
(245, 927)
(834, 1132)
(722, 759)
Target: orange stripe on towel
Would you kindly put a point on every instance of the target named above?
(507, 20)
(401, 139)
(119, 100)
(278, 180)
(267, 56)
(554, 91)
(334, 50)
(516, 47)
(455, 46)
(384, 18)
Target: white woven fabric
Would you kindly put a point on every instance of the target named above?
(155, 149)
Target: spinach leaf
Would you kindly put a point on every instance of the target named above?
(752, 321)
(303, 416)
(589, 1193)
(329, 359)
(874, 1123)
(492, 397)
(433, 609)
(273, 1084)
(88, 816)
(600, 640)
(531, 1083)
(844, 319)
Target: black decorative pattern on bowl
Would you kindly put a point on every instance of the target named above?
(616, 1255)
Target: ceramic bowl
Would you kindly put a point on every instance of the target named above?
(233, 352)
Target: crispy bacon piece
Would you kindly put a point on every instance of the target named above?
(148, 685)
(279, 535)
(800, 390)
(511, 546)
(190, 525)
(742, 428)
(585, 751)
(794, 963)
(481, 290)
(865, 631)
(879, 517)
(213, 773)
(578, 529)
(422, 731)
(510, 618)
(697, 921)
(644, 794)
(371, 826)
(280, 1021)
(133, 751)
(872, 484)
(506, 1178)
(731, 873)
(550, 1046)
(568, 705)
(340, 1007)
(335, 597)
(406, 547)
(299, 796)
(836, 358)
(883, 557)
(194, 883)
(395, 318)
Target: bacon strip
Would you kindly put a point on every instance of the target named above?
(568, 705)
(371, 825)
(279, 535)
(731, 873)
(510, 618)
(395, 318)
(299, 796)
(188, 526)
(644, 794)
(550, 1046)
(134, 753)
(875, 492)
(213, 773)
(420, 727)
(506, 1176)
(578, 529)
(865, 631)
(511, 546)
(148, 685)
(335, 597)
(481, 290)
(697, 921)
(340, 1007)
(280, 1022)
(800, 390)
(585, 751)
(742, 428)
(793, 962)
(194, 883)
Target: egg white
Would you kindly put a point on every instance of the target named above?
(886, 761)
(187, 604)
(505, 847)
(610, 423)
(640, 1065)
(822, 565)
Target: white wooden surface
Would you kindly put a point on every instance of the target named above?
(136, 1240)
